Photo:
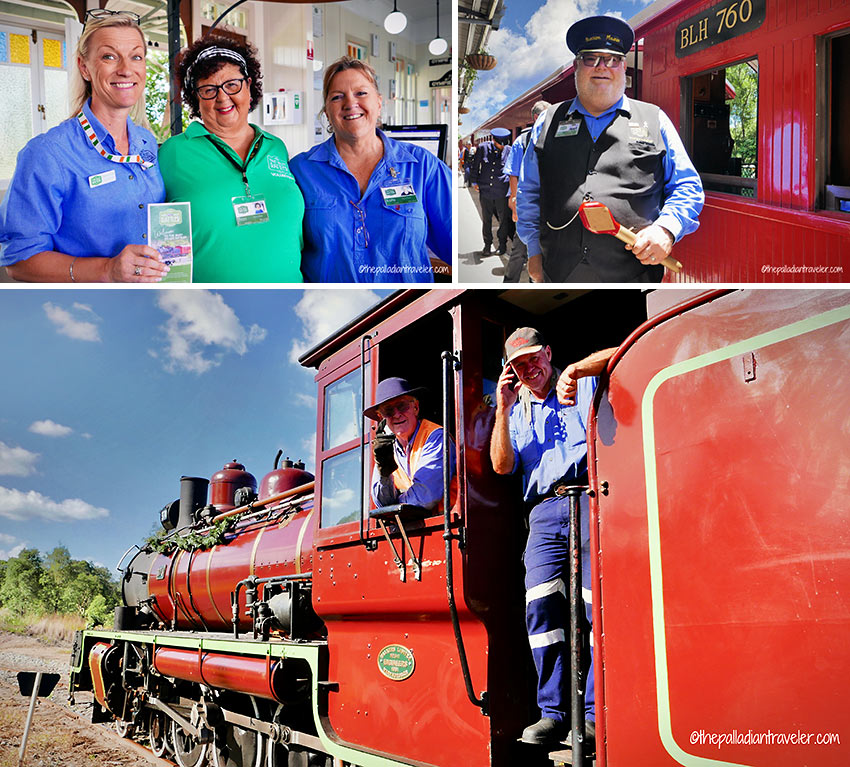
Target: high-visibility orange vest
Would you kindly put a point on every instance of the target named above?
(400, 479)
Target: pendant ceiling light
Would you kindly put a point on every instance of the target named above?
(438, 46)
(395, 21)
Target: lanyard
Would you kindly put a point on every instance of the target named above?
(241, 168)
(95, 142)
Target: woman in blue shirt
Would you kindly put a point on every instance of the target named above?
(373, 206)
(80, 191)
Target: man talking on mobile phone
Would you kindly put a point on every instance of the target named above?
(541, 429)
(408, 459)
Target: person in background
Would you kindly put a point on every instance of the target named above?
(76, 207)
(357, 226)
(486, 177)
(246, 207)
(408, 460)
(468, 157)
(541, 430)
(605, 147)
(513, 166)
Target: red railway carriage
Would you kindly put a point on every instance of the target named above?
(782, 213)
(758, 91)
(719, 504)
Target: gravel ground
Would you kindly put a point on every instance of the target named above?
(61, 735)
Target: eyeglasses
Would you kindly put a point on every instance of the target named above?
(591, 60)
(361, 233)
(388, 411)
(104, 13)
(230, 87)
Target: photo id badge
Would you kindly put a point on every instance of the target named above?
(398, 193)
(568, 127)
(249, 210)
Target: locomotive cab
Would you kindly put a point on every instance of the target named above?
(392, 631)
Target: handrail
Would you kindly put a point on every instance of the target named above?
(364, 503)
(576, 609)
(306, 488)
(451, 363)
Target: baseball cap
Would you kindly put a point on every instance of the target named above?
(523, 341)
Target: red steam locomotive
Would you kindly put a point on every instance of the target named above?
(285, 625)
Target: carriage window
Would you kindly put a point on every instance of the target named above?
(838, 140)
(342, 410)
(340, 497)
(724, 138)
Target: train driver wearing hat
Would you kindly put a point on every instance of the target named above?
(408, 460)
(604, 146)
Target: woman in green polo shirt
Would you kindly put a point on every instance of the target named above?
(246, 206)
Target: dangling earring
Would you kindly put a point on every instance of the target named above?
(330, 128)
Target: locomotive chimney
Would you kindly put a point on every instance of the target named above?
(193, 496)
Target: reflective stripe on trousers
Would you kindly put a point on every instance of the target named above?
(547, 577)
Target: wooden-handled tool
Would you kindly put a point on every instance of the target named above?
(598, 219)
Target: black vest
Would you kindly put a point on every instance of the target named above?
(623, 169)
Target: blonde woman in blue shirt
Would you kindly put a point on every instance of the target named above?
(76, 208)
(373, 206)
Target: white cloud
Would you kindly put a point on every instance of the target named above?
(201, 329)
(308, 445)
(527, 57)
(84, 308)
(310, 401)
(16, 461)
(16, 546)
(48, 428)
(70, 325)
(322, 312)
(20, 506)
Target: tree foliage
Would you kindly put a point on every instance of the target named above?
(157, 93)
(743, 115)
(36, 585)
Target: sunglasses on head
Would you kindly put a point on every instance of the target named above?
(103, 13)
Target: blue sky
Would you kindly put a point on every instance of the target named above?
(109, 396)
(529, 45)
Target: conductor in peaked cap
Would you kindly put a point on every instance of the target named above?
(604, 146)
(487, 176)
(408, 459)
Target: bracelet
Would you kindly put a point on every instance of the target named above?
(71, 268)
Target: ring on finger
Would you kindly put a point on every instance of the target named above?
(137, 271)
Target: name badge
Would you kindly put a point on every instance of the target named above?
(401, 193)
(568, 127)
(636, 130)
(249, 210)
(99, 179)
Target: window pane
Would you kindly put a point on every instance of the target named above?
(342, 409)
(52, 53)
(340, 497)
(19, 49)
(16, 127)
(56, 97)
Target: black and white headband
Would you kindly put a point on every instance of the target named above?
(215, 52)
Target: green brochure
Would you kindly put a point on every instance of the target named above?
(170, 232)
